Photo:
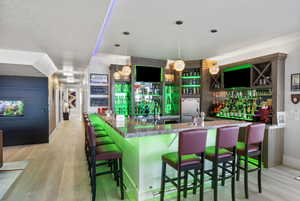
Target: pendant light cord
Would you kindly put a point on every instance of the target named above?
(179, 49)
(179, 43)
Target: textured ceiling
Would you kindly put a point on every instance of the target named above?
(154, 34)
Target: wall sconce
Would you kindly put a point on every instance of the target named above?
(295, 98)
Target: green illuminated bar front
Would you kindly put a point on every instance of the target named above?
(143, 144)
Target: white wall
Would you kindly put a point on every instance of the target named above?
(100, 64)
(289, 44)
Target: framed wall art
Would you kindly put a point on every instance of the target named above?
(295, 82)
(99, 102)
(98, 78)
(99, 90)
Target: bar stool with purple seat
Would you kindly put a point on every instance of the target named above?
(99, 142)
(251, 147)
(191, 146)
(225, 153)
(103, 154)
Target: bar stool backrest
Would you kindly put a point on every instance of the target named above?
(255, 133)
(192, 141)
(227, 137)
(91, 136)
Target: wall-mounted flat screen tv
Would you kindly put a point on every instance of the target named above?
(11, 108)
(148, 74)
(237, 77)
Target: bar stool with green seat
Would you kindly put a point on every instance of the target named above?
(251, 147)
(94, 119)
(102, 153)
(190, 156)
(106, 140)
(225, 153)
(99, 131)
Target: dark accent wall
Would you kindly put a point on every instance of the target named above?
(33, 127)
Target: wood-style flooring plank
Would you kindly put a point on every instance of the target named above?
(58, 172)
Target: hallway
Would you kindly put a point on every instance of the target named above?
(57, 171)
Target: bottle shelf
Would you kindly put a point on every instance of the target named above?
(191, 96)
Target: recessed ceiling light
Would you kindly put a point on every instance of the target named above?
(117, 45)
(179, 22)
(126, 33)
(213, 30)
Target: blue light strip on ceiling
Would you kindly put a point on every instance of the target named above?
(103, 27)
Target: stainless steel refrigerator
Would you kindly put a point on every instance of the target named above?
(189, 108)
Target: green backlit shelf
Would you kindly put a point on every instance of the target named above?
(232, 117)
(191, 77)
(191, 85)
(148, 95)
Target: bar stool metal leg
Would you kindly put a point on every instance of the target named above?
(233, 178)
(185, 183)
(246, 177)
(195, 181)
(163, 175)
(259, 173)
(121, 178)
(223, 173)
(238, 168)
(215, 180)
(94, 183)
(202, 178)
(178, 184)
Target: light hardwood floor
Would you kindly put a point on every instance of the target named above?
(58, 172)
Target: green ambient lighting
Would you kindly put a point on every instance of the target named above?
(237, 88)
(172, 98)
(238, 68)
(233, 117)
(122, 99)
(144, 126)
(191, 77)
(191, 85)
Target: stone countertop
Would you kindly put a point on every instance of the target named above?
(135, 128)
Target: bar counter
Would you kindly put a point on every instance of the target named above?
(143, 144)
(137, 128)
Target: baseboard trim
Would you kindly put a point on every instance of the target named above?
(291, 161)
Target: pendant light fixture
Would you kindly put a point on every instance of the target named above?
(126, 70)
(212, 66)
(117, 75)
(213, 70)
(179, 64)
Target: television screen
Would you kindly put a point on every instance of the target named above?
(148, 74)
(11, 108)
(237, 78)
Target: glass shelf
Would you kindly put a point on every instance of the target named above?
(234, 117)
(191, 77)
(191, 85)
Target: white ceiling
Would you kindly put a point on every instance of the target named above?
(66, 30)
(154, 33)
